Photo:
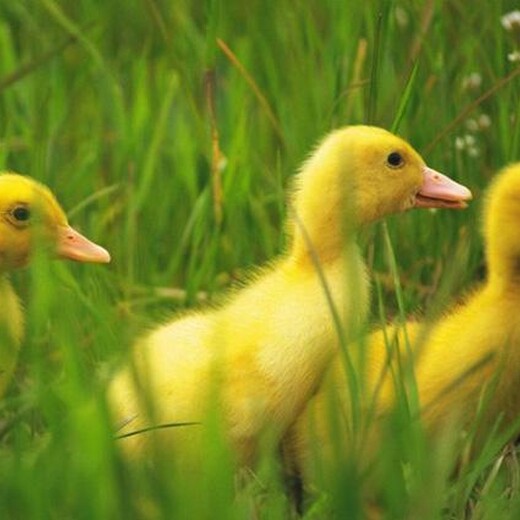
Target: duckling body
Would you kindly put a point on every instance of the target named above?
(243, 357)
(260, 355)
(21, 200)
(465, 364)
(11, 331)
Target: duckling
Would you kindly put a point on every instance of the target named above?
(260, 355)
(465, 364)
(27, 208)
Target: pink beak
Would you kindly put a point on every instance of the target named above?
(439, 191)
(75, 246)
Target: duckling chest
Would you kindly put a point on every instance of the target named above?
(11, 325)
(508, 363)
(11, 317)
(295, 325)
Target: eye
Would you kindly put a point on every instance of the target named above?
(21, 214)
(395, 160)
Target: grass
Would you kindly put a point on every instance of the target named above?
(169, 132)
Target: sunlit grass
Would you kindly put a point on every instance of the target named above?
(106, 104)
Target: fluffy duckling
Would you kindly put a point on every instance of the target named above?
(466, 364)
(29, 211)
(260, 355)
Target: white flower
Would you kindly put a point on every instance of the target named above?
(484, 121)
(514, 56)
(222, 163)
(472, 81)
(401, 17)
(511, 21)
(469, 140)
(469, 143)
(459, 143)
(472, 125)
(473, 151)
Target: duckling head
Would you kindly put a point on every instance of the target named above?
(357, 175)
(502, 228)
(29, 212)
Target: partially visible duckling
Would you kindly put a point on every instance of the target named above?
(29, 212)
(466, 364)
(260, 355)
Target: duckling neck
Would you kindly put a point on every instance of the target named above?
(321, 241)
(322, 210)
(11, 329)
(504, 274)
(310, 250)
(502, 237)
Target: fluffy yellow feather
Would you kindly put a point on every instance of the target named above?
(28, 213)
(465, 363)
(261, 354)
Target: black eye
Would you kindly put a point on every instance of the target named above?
(21, 214)
(395, 159)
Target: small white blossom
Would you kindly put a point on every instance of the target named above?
(459, 143)
(401, 17)
(473, 151)
(472, 81)
(511, 21)
(469, 140)
(484, 121)
(514, 57)
(468, 143)
(222, 163)
(472, 125)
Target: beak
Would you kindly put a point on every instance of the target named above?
(439, 191)
(75, 246)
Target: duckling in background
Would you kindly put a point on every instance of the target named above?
(466, 364)
(261, 355)
(27, 208)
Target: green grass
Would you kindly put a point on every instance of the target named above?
(109, 104)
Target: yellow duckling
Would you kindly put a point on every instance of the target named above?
(465, 364)
(28, 208)
(260, 355)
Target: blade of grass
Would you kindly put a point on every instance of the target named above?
(39, 61)
(405, 99)
(264, 103)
